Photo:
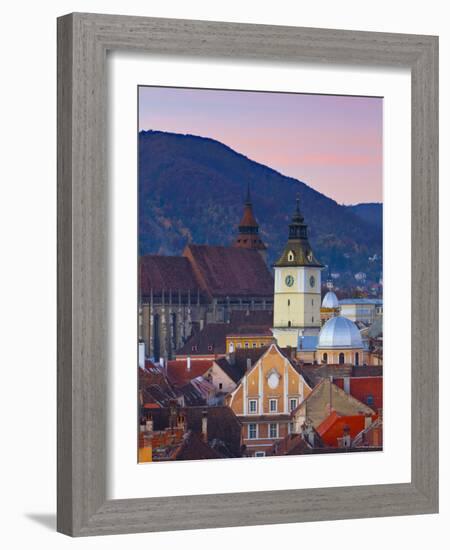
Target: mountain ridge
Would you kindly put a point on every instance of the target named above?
(209, 179)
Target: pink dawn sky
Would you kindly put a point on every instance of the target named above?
(332, 143)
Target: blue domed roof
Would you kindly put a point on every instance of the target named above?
(339, 332)
(330, 300)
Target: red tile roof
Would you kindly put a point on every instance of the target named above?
(179, 374)
(333, 427)
(230, 271)
(248, 218)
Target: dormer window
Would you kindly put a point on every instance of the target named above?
(291, 256)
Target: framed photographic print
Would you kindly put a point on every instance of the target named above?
(247, 274)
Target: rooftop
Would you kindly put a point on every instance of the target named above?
(225, 271)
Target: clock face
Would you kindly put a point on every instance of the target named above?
(312, 280)
(289, 280)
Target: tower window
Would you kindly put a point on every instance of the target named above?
(290, 256)
(341, 359)
(289, 302)
(325, 357)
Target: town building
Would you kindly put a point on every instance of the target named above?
(340, 342)
(269, 390)
(188, 433)
(180, 295)
(242, 331)
(366, 310)
(324, 399)
(297, 298)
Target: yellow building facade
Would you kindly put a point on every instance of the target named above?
(264, 399)
(247, 341)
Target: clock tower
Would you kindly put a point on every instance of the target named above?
(297, 297)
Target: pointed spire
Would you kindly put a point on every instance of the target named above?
(297, 217)
(248, 200)
(248, 228)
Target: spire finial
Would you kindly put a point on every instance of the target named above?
(297, 217)
(248, 199)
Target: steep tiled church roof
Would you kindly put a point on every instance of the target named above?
(166, 273)
(228, 271)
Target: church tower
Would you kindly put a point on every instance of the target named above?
(248, 236)
(297, 297)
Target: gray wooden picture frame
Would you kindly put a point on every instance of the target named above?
(83, 42)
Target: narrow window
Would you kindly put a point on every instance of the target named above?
(252, 431)
(253, 406)
(325, 357)
(273, 405)
(220, 385)
(273, 430)
(246, 344)
(289, 302)
(292, 404)
(356, 358)
(289, 323)
(341, 359)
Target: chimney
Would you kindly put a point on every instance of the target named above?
(188, 364)
(181, 421)
(346, 439)
(141, 355)
(308, 432)
(347, 384)
(149, 425)
(205, 426)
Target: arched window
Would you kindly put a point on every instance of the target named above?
(173, 329)
(341, 358)
(290, 256)
(156, 341)
(356, 358)
(231, 347)
(325, 357)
